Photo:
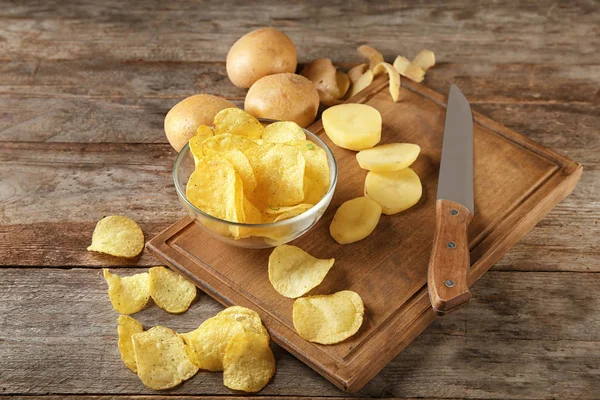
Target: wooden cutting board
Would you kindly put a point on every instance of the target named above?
(517, 182)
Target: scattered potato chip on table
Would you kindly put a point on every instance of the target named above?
(171, 291)
(293, 272)
(395, 191)
(127, 327)
(161, 358)
(248, 363)
(118, 236)
(354, 220)
(128, 294)
(328, 319)
(388, 157)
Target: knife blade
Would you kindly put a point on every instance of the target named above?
(450, 259)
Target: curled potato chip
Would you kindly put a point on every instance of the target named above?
(293, 212)
(207, 343)
(361, 83)
(242, 166)
(161, 358)
(237, 122)
(171, 291)
(127, 327)
(316, 173)
(226, 142)
(128, 294)
(279, 171)
(373, 55)
(283, 131)
(203, 133)
(248, 363)
(354, 220)
(293, 272)
(394, 191)
(118, 236)
(328, 319)
(357, 71)
(215, 188)
(394, 77)
(388, 157)
(425, 59)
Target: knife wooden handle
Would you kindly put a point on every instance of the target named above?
(450, 259)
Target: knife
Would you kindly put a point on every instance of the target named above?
(450, 259)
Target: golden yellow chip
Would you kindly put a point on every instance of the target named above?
(293, 212)
(328, 319)
(245, 315)
(117, 236)
(284, 131)
(252, 215)
(226, 142)
(214, 187)
(279, 171)
(293, 272)
(171, 291)
(161, 358)
(128, 294)
(207, 343)
(127, 327)
(248, 363)
(243, 168)
(237, 122)
(203, 133)
(316, 173)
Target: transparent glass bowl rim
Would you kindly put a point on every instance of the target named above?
(314, 138)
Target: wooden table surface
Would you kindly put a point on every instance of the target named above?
(85, 86)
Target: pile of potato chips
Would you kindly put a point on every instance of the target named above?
(252, 174)
(234, 341)
(325, 319)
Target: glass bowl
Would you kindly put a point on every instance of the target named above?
(260, 236)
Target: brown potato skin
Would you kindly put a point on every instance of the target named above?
(259, 53)
(285, 97)
(185, 117)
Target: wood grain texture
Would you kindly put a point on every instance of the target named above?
(548, 348)
(391, 263)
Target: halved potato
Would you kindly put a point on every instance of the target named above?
(388, 157)
(353, 126)
(394, 191)
(354, 220)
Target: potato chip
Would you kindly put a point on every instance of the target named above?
(354, 220)
(207, 343)
(328, 319)
(279, 171)
(248, 363)
(204, 132)
(243, 167)
(293, 272)
(117, 236)
(252, 215)
(171, 291)
(293, 212)
(388, 157)
(215, 188)
(283, 131)
(127, 327)
(245, 315)
(316, 173)
(237, 122)
(395, 191)
(226, 142)
(128, 294)
(161, 358)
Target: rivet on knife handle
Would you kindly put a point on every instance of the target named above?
(450, 260)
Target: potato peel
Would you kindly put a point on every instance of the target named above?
(357, 71)
(361, 83)
(394, 77)
(425, 59)
(373, 55)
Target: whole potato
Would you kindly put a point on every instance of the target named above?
(185, 117)
(259, 53)
(286, 97)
